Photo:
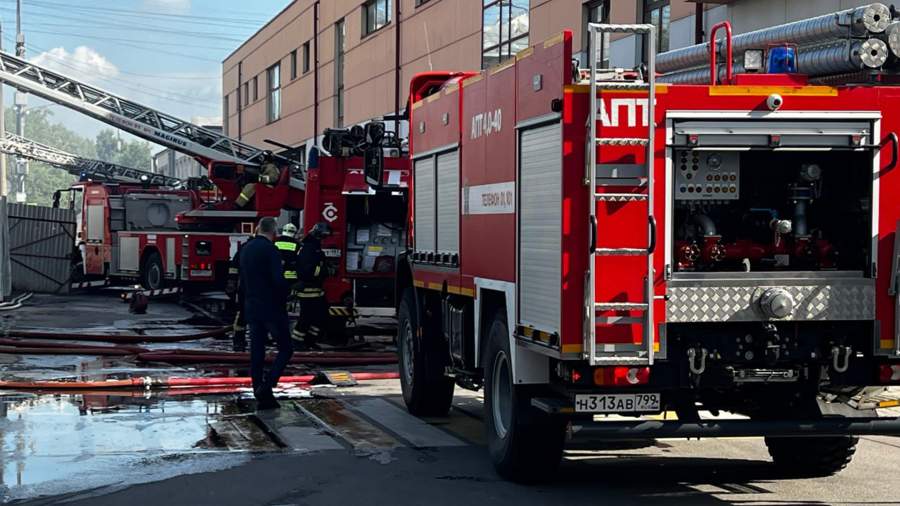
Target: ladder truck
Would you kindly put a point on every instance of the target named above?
(153, 233)
(595, 249)
(81, 167)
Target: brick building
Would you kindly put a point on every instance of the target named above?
(325, 63)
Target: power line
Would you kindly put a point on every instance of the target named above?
(136, 12)
(114, 24)
(133, 41)
(169, 96)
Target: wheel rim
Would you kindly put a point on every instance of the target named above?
(407, 352)
(501, 395)
(153, 277)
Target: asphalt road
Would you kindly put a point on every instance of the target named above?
(373, 453)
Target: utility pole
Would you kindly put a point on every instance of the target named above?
(21, 102)
(4, 182)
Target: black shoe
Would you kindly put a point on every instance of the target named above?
(265, 399)
(267, 404)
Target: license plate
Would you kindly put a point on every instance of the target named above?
(616, 403)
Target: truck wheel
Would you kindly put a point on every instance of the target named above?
(810, 457)
(426, 390)
(525, 444)
(152, 277)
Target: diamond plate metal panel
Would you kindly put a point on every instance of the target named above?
(714, 301)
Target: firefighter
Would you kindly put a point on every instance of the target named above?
(268, 175)
(312, 271)
(265, 302)
(236, 298)
(289, 248)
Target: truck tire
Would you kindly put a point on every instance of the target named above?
(427, 391)
(152, 274)
(525, 444)
(811, 457)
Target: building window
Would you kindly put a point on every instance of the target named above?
(376, 15)
(340, 33)
(246, 93)
(293, 65)
(504, 30)
(657, 13)
(255, 88)
(596, 12)
(274, 78)
(420, 2)
(306, 57)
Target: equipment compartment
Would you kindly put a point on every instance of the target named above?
(780, 210)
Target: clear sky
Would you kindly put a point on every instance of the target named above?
(166, 54)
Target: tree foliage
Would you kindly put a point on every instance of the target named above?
(43, 179)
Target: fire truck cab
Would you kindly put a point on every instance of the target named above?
(590, 243)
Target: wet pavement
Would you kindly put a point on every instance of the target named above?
(329, 445)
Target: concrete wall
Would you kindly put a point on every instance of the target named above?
(436, 35)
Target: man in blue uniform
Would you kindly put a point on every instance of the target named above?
(265, 296)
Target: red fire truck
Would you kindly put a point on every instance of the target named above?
(367, 216)
(140, 229)
(589, 243)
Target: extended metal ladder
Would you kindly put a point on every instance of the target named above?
(97, 170)
(644, 354)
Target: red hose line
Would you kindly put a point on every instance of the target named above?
(325, 358)
(174, 382)
(28, 343)
(118, 338)
(102, 351)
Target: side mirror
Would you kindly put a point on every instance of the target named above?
(374, 165)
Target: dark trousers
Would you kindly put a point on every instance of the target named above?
(279, 328)
(311, 323)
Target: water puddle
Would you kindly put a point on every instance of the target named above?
(54, 444)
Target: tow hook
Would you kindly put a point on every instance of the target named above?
(840, 356)
(697, 360)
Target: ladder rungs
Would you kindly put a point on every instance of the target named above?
(619, 320)
(621, 197)
(623, 85)
(619, 360)
(621, 28)
(621, 306)
(625, 252)
(622, 141)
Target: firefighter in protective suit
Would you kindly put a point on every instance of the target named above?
(236, 297)
(289, 248)
(311, 272)
(269, 173)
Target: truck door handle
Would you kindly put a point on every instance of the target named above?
(895, 151)
(593, 247)
(652, 221)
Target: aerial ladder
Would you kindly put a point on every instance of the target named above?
(81, 167)
(231, 164)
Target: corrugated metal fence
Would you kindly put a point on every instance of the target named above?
(5, 275)
(41, 241)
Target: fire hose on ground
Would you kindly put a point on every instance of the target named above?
(29, 347)
(176, 382)
(118, 338)
(15, 302)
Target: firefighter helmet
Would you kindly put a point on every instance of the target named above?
(289, 229)
(320, 230)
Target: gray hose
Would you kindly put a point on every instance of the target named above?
(837, 58)
(857, 22)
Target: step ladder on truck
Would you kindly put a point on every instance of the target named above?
(757, 291)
